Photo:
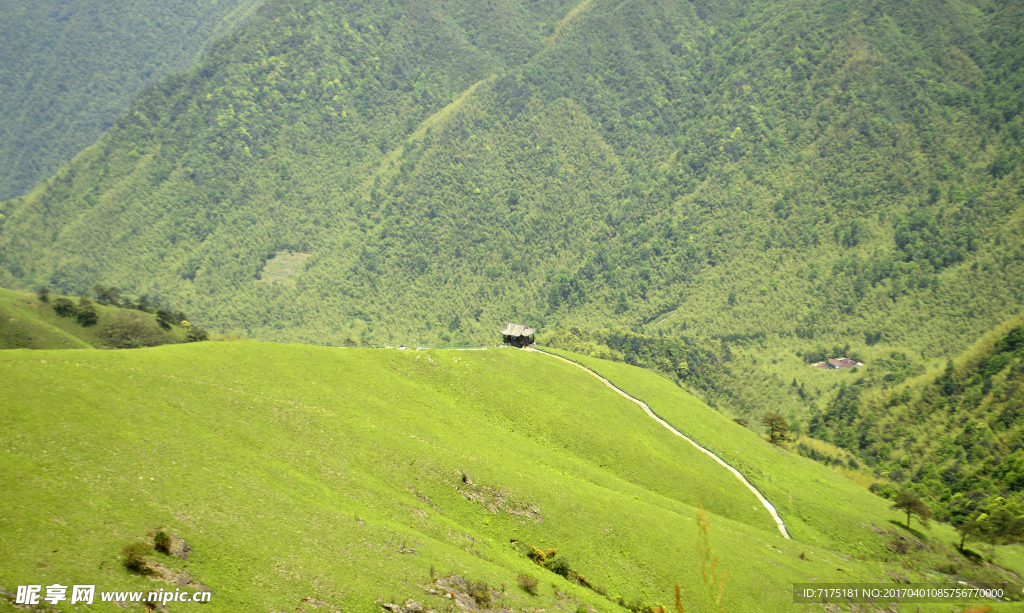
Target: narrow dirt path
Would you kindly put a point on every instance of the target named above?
(764, 501)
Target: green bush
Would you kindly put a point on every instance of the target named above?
(560, 566)
(128, 330)
(87, 315)
(64, 307)
(480, 593)
(135, 558)
(162, 542)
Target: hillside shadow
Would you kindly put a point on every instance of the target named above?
(972, 556)
(903, 526)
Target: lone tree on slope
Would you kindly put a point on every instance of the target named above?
(972, 530)
(909, 502)
(777, 427)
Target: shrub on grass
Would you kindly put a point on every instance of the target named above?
(162, 542)
(898, 546)
(528, 583)
(64, 307)
(43, 293)
(536, 555)
(479, 592)
(87, 315)
(560, 566)
(127, 330)
(135, 558)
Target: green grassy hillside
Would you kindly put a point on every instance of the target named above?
(24, 324)
(70, 69)
(348, 475)
(29, 322)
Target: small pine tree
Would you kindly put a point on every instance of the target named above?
(143, 304)
(86, 313)
(971, 530)
(43, 293)
(777, 427)
(165, 318)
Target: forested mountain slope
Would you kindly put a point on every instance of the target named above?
(955, 437)
(776, 176)
(69, 69)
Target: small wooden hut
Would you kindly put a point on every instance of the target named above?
(518, 335)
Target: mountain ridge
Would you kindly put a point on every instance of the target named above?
(616, 267)
(72, 68)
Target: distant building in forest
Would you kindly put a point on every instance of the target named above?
(838, 363)
(518, 335)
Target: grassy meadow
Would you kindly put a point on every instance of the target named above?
(28, 322)
(345, 476)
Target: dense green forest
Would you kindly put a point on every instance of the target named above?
(71, 68)
(955, 437)
(824, 174)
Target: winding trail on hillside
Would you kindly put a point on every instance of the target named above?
(750, 486)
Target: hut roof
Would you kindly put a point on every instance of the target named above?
(512, 329)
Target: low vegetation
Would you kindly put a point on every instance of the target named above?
(362, 453)
(49, 321)
(135, 557)
(528, 583)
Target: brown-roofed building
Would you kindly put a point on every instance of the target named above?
(835, 363)
(518, 335)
